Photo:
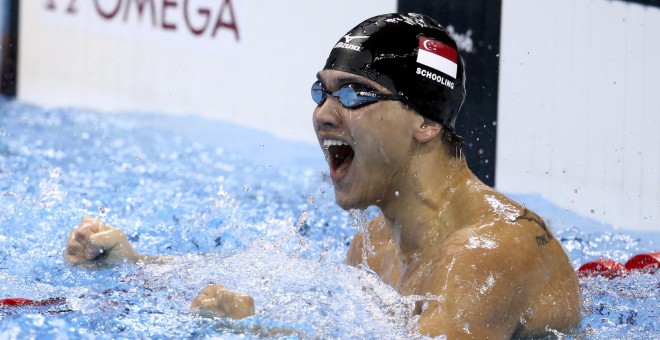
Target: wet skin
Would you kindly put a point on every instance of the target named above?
(494, 268)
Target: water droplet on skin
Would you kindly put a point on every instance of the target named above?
(466, 327)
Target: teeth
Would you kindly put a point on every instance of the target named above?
(329, 142)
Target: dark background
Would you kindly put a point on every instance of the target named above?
(478, 118)
(9, 31)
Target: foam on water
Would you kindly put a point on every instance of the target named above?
(236, 207)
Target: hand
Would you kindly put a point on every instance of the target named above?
(95, 241)
(217, 300)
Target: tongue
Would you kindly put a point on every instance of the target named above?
(344, 165)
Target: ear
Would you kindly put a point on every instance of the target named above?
(427, 130)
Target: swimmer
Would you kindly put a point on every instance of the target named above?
(387, 101)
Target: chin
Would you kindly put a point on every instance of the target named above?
(347, 203)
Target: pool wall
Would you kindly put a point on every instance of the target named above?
(576, 118)
(205, 57)
(578, 110)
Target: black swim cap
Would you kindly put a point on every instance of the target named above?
(410, 55)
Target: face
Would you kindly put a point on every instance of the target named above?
(367, 148)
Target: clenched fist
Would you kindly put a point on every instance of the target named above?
(95, 241)
(217, 300)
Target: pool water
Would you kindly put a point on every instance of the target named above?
(235, 206)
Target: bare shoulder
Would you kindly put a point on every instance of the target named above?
(378, 237)
(509, 231)
(507, 273)
(376, 248)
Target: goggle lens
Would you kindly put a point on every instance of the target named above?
(350, 95)
(318, 93)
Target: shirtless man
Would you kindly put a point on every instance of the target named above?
(387, 100)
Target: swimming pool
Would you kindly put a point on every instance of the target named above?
(237, 207)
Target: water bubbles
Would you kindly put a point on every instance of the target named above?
(246, 187)
(102, 210)
(311, 199)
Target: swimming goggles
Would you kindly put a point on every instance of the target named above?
(350, 95)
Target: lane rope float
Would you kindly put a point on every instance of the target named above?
(646, 263)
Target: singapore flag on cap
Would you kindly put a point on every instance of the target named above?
(438, 56)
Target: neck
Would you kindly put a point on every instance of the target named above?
(422, 210)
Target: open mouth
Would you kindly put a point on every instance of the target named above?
(340, 156)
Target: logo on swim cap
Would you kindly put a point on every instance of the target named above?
(438, 56)
(348, 38)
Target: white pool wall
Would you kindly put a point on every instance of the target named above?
(579, 107)
(139, 60)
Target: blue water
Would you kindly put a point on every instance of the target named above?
(238, 207)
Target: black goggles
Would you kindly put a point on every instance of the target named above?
(350, 95)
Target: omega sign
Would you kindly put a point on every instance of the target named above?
(196, 17)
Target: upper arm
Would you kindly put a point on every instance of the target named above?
(479, 294)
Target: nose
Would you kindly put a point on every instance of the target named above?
(327, 116)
